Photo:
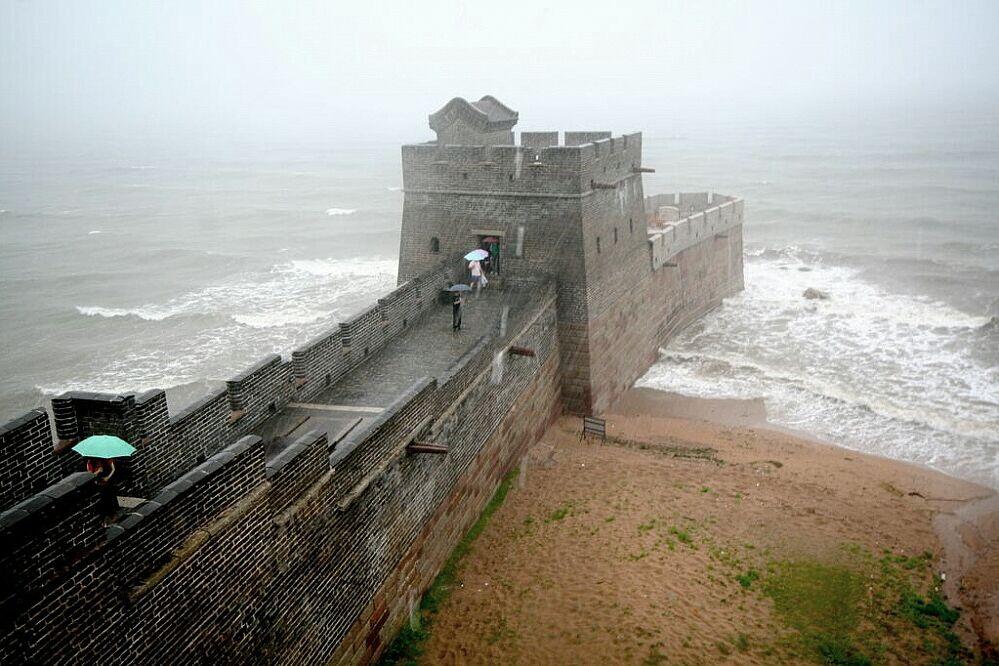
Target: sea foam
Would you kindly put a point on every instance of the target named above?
(873, 370)
(222, 327)
(147, 313)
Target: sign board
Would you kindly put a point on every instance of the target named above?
(594, 426)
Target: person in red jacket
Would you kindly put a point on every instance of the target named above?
(102, 468)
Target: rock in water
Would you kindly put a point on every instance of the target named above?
(816, 294)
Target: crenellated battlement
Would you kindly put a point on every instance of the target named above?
(170, 444)
(30, 463)
(549, 170)
(706, 215)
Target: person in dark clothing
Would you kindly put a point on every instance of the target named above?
(456, 302)
(494, 258)
(107, 502)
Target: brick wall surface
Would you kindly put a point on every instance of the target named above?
(29, 463)
(260, 391)
(172, 444)
(200, 430)
(627, 336)
(538, 139)
(238, 560)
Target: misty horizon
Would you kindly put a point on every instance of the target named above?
(85, 75)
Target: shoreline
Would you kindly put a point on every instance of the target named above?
(742, 412)
(667, 541)
(967, 526)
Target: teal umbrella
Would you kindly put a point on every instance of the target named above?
(104, 446)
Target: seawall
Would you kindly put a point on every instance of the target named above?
(648, 295)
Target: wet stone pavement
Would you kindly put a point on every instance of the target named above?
(427, 349)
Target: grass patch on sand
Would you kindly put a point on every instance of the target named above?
(861, 609)
(747, 579)
(820, 601)
(682, 535)
(407, 646)
(559, 513)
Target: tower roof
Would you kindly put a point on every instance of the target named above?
(487, 115)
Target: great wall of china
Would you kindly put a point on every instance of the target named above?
(298, 513)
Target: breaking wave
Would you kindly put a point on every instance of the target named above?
(280, 318)
(341, 211)
(285, 295)
(224, 327)
(880, 372)
(148, 313)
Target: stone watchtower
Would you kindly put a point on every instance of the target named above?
(573, 211)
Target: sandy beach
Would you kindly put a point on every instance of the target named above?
(698, 534)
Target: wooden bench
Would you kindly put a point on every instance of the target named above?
(594, 426)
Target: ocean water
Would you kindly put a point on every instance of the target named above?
(173, 270)
(120, 274)
(899, 225)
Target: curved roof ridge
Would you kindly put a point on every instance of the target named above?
(487, 114)
(495, 109)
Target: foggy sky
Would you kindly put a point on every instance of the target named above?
(179, 71)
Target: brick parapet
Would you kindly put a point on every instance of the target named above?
(41, 539)
(668, 239)
(29, 462)
(569, 171)
(296, 468)
(144, 537)
(324, 360)
(625, 338)
(171, 444)
(536, 384)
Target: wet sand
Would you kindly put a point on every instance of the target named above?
(655, 547)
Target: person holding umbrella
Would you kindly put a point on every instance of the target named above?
(100, 452)
(475, 268)
(456, 303)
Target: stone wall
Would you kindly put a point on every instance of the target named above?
(328, 357)
(579, 138)
(389, 609)
(673, 237)
(686, 285)
(170, 444)
(647, 290)
(305, 558)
